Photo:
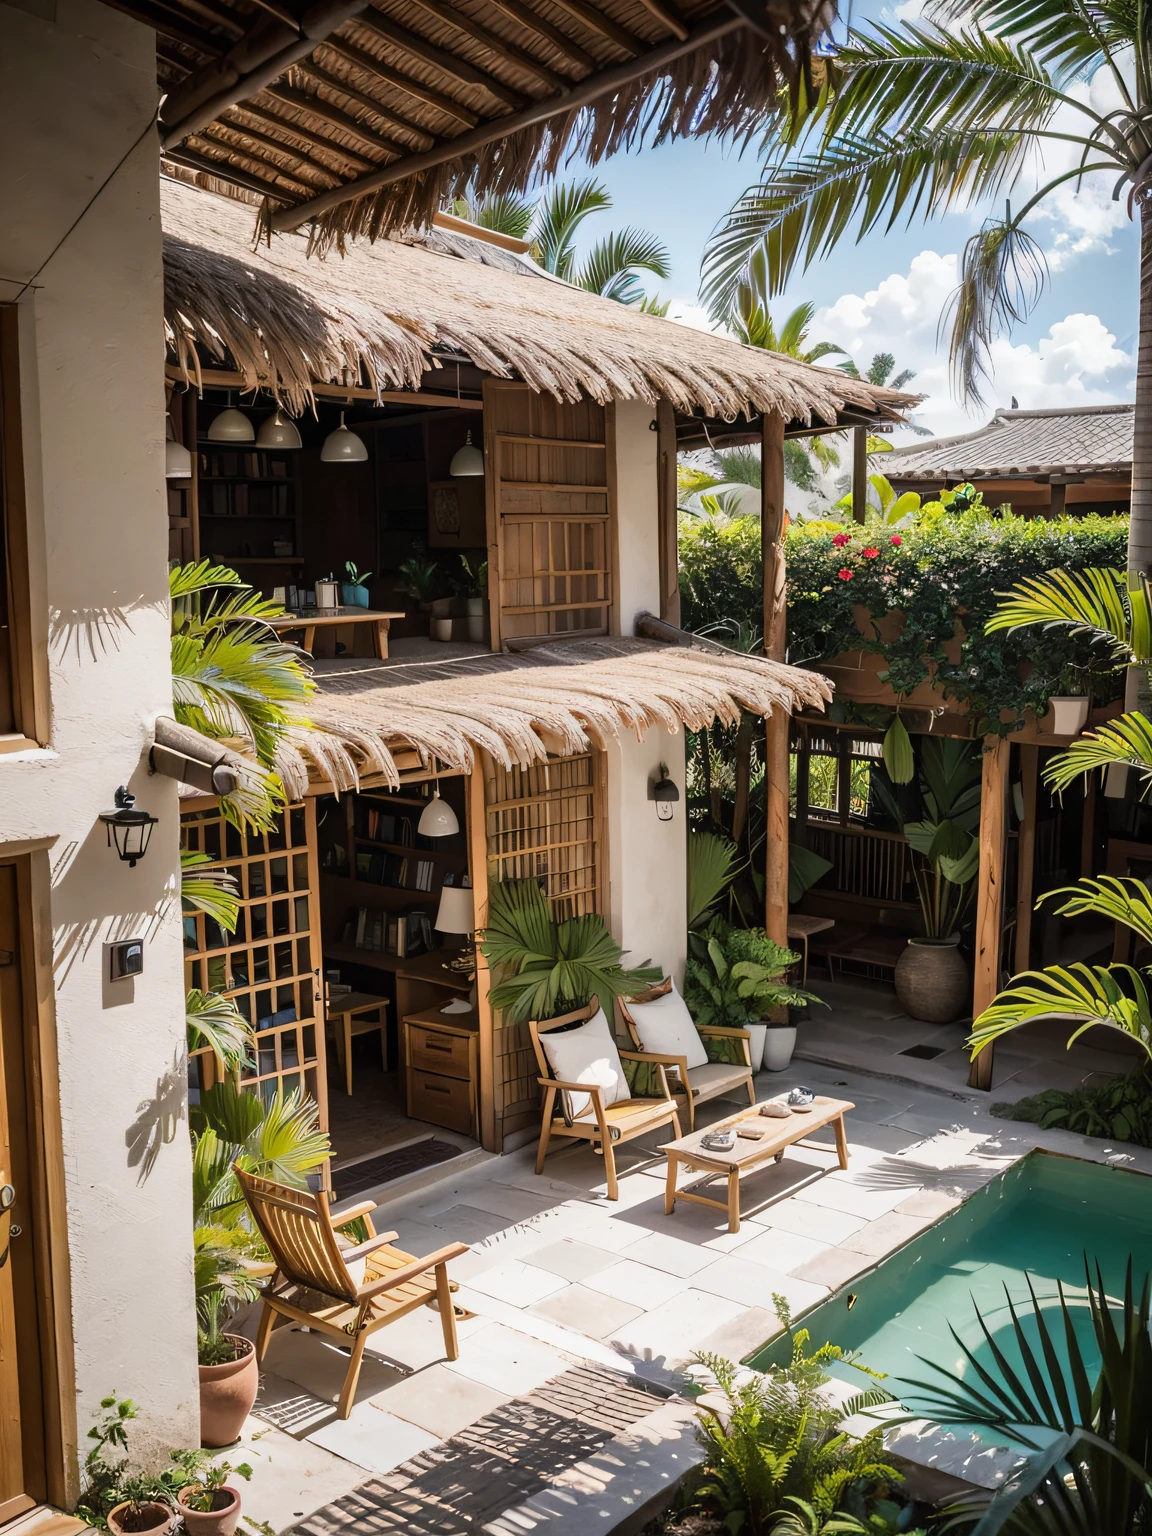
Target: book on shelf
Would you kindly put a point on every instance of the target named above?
(403, 934)
(383, 826)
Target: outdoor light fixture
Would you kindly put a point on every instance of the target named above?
(468, 460)
(437, 819)
(177, 459)
(278, 432)
(231, 426)
(128, 828)
(343, 446)
(665, 794)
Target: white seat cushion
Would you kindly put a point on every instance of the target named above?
(587, 1055)
(665, 1028)
(716, 1079)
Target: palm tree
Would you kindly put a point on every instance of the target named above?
(552, 223)
(918, 119)
(881, 371)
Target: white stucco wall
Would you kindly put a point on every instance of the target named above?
(77, 91)
(648, 898)
(637, 489)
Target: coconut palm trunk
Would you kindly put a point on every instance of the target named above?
(1140, 525)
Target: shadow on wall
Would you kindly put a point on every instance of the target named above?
(158, 1119)
(92, 633)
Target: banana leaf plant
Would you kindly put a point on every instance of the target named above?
(546, 967)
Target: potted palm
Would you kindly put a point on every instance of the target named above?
(734, 977)
(473, 582)
(420, 579)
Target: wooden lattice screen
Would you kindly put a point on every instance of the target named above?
(545, 822)
(270, 965)
(551, 529)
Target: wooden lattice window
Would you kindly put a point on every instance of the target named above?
(545, 822)
(270, 965)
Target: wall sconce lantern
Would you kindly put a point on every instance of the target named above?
(665, 794)
(128, 828)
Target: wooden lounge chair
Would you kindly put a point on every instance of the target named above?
(604, 1125)
(720, 1078)
(310, 1255)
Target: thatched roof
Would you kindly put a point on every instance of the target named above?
(288, 320)
(576, 693)
(364, 117)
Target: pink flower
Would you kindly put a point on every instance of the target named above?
(845, 574)
(896, 539)
(870, 554)
(840, 539)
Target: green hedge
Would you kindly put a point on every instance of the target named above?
(947, 567)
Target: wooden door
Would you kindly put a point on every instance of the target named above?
(551, 514)
(22, 1451)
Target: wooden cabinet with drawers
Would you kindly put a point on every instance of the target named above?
(441, 1055)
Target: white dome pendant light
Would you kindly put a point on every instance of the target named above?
(437, 819)
(343, 446)
(277, 431)
(231, 426)
(468, 460)
(177, 459)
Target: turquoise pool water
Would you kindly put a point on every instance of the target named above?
(1039, 1218)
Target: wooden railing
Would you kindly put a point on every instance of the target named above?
(865, 862)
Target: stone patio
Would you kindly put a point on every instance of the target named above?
(564, 1286)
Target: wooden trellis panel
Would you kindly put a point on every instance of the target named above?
(545, 822)
(551, 514)
(270, 965)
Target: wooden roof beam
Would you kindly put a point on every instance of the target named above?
(509, 52)
(603, 26)
(402, 82)
(260, 57)
(277, 145)
(418, 47)
(310, 137)
(425, 140)
(226, 171)
(303, 102)
(178, 28)
(528, 19)
(579, 95)
(668, 16)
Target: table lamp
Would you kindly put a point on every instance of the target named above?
(457, 914)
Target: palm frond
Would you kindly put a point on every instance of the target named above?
(1126, 742)
(609, 269)
(1081, 994)
(1098, 603)
(1118, 899)
(187, 581)
(712, 865)
(216, 1022)
(558, 217)
(206, 887)
(1002, 275)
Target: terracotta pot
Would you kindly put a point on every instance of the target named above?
(219, 1521)
(227, 1393)
(151, 1517)
(932, 980)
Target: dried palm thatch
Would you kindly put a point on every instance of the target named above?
(561, 698)
(366, 118)
(288, 321)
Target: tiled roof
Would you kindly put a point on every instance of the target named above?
(1092, 439)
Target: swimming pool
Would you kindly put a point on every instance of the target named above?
(1040, 1216)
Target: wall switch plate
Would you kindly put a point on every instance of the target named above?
(127, 959)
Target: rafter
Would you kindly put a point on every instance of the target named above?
(278, 146)
(178, 28)
(420, 48)
(509, 52)
(393, 76)
(305, 102)
(227, 172)
(603, 26)
(369, 103)
(311, 138)
(527, 18)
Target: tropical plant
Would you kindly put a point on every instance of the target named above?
(919, 118)
(215, 1021)
(1119, 1110)
(419, 578)
(733, 976)
(1088, 1427)
(356, 577)
(881, 371)
(712, 864)
(200, 1493)
(472, 579)
(884, 505)
(206, 887)
(547, 966)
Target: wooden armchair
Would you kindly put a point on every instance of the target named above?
(718, 1079)
(604, 1125)
(361, 1288)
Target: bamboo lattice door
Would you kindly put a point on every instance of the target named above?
(270, 965)
(551, 518)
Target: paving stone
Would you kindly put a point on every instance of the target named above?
(834, 1267)
(742, 1335)
(572, 1260)
(671, 1254)
(290, 1478)
(753, 1285)
(507, 1361)
(517, 1283)
(320, 1367)
(439, 1400)
(819, 1223)
(373, 1439)
(783, 1251)
(886, 1234)
(587, 1311)
(853, 1198)
(672, 1331)
(638, 1284)
(416, 1341)
(929, 1203)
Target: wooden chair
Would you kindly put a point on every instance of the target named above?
(696, 1085)
(310, 1256)
(604, 1125)
(344, 1014)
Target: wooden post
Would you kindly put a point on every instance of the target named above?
(1026, 857)
(859, 473)
(778, 724)
(1088, 827)
(989, 893)
(477, 831)
(666, 503)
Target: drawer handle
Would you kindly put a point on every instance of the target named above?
(432, 1088)
(431, 1045)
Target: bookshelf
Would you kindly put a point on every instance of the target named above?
(249, 508)
(380, 881)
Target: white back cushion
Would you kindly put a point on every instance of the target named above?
(665, 1028)
(587, 1055)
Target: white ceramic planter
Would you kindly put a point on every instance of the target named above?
(475, 607)
(440, 629)
(1069, 715)
(756, 1033)
(779, 1043)
(475, 624)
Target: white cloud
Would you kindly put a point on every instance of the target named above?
(687, 312)
(1076, 363)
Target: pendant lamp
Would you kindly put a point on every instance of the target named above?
(278, 432)
(343, 446)
(231, 426)
(437, 819)
(468, 460)
(177, 459)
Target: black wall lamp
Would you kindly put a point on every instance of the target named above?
(128, 828)
(665, 794)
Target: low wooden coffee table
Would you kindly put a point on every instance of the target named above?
(747, 1155)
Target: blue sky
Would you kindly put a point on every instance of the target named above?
(885, 293)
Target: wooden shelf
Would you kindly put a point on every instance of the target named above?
(247, 517)
(246, 479)
(355, 891)
(406, 850)
(381, 960)
(258, 559)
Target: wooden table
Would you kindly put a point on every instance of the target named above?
(344, 1012)
(746, 1156)
(326, 618)
(803, 927)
